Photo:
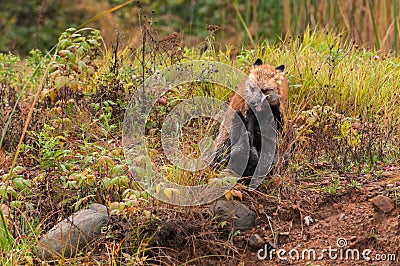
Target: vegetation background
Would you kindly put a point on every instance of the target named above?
(38, 23)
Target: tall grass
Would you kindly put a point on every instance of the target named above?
(374, 23)
(325, 68)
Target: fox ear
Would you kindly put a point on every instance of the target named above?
(280, 68)
(258, 62)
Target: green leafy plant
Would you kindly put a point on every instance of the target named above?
(355, 184)
(75, 63)
(105, 118)
(49, 149)
(332, 188)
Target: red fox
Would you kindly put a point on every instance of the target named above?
(265, 84)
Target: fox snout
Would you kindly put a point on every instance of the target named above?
(272, 99)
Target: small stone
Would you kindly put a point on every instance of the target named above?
(383, 204)
(256, 242)
(238, 214)
(308, 220)
(389, 185)
(387, 174)
(73, 233)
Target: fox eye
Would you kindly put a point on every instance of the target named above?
(264, 90)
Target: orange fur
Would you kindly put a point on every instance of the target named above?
(265, 77)
(261, 77)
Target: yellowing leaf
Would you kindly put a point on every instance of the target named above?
(237, 194)
(114, 205)
(29, 260)
(54, 74)
(105, 161)
(158, 188)
(74, 84)
(168, 192)
(52, 94)
(147, 214)
(228, 195)
(43, 94)
(233, 193)
(61, 81)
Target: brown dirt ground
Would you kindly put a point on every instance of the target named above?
(346, 217)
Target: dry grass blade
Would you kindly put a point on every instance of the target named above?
(396, 27)
(371, 12)
(243, 23)
(105, 13)
(345, 20)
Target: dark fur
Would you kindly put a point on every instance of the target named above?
(254, 136)
(239, 154)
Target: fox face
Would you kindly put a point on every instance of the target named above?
(265, 83)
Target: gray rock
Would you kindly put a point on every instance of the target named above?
(238, 214)
(73, 233)
(383, 204)
(256, 242)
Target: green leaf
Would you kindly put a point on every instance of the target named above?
(114, 181)
(117, 169)
(9, 190)
(19, 169)
(80, 51)
(121, 206)
(15, 204)
(64, 43)
(71, 57)
(85, 45)
(70, 30)
(106, 182)
(95, 43)
(22, 183)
